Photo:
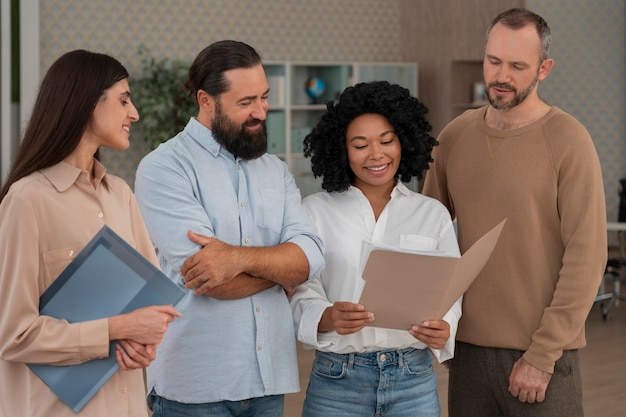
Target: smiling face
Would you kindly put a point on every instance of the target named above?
(512, 65)
(239, 113)
(374, 152)
(111, 119)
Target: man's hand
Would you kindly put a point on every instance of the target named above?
(215, 264)
(290, 290)
(527, 383)
(345, 318)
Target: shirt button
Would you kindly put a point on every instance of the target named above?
(258, 309)
(259, 347)
(100, 214)
(246, 240)
(70, 253)
(243, 204)
(383, 357)
(124, 390)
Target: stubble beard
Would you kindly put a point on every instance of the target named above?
(500, 103)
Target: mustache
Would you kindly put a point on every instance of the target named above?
(253, 122)
(505, 86)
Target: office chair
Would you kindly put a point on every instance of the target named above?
(613, 270)
(612, 273)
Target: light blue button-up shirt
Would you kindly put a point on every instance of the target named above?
(223, 349)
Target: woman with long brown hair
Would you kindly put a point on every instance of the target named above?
(57, 197)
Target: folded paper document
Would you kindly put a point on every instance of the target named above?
(108, 277)
(405, 288)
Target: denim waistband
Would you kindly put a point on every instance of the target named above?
(378, 358)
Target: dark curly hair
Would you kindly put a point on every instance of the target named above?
(326, 144)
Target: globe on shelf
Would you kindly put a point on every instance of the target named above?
(314, 88)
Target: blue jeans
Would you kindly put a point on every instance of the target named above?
(386, 383)
(270, 406)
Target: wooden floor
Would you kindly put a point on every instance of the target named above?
(603, 369)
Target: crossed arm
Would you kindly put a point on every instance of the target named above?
(223, 271)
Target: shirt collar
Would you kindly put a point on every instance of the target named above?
(203, 135)
(399, 188)
(63, 175)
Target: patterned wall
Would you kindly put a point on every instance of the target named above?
(589, 77)
(320, 30)
(296, 30)
(589, 38)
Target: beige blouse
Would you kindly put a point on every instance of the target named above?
(45, 220)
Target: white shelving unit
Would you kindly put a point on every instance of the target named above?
(292, 113)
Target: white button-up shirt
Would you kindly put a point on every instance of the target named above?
(344, 220)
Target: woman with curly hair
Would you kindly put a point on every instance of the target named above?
(364, 146)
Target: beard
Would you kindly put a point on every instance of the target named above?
(499, 103)
(236, 138)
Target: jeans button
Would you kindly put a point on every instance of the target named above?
(383, 357)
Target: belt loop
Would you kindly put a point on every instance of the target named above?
(350, 360)
(400, 359)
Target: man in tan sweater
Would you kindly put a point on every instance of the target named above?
(521, 159)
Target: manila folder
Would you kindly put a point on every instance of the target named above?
(407, 288)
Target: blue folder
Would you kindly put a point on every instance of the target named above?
(108, 277)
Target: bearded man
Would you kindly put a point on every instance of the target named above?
(227, 223)
(522, 159)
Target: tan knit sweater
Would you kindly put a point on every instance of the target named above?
(537, 288)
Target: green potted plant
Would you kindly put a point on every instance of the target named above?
(163, 103)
